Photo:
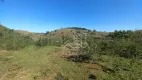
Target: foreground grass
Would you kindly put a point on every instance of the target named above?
(37, 64)
(34, 63)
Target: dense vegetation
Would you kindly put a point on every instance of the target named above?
(119, 43)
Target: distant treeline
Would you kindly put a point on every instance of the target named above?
(77, 28)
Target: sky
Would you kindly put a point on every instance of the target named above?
(47, 15)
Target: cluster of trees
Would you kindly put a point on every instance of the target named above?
(119, 43)
(122, 34)
(77, 28)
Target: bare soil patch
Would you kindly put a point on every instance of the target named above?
(4, 51)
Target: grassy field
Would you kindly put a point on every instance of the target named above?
(44, 63)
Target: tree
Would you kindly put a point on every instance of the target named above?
(121, 34)
(47, 32)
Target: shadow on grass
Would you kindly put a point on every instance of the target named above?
(79, 58)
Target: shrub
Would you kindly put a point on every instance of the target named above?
(137, 36)
(59, 76)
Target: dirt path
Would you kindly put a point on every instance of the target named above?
(4, 51)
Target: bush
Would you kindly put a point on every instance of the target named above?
(15, 42)
(47, 42)
(122, 34)
(137, 36)
(59, 76)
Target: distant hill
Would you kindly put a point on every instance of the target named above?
(70, 31)
(34, 36)
(55, 35)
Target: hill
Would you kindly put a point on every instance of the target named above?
(32, 35)
(10, 40)
(70, 32)
(57, 34)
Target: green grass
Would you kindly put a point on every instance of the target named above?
(33, 63)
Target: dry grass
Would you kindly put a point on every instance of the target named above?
(46, 63)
